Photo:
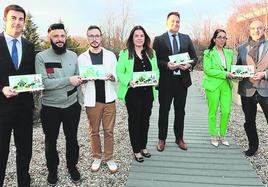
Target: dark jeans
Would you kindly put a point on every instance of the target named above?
(178, 93)
(20, 120)
(249, 106)
(139, 107)
(51, 119)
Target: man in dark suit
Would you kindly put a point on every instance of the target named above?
(16, 110)
(254, 90)
(174, 79)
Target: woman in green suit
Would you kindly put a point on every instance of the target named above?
(137, 57)
(217, 63)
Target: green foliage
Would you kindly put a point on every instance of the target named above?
(30, 31)
(73, 45)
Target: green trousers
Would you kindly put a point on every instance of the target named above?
(223, 96)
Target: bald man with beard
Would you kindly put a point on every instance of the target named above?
(254, 90)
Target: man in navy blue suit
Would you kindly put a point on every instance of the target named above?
(174, 78)
(16, 110)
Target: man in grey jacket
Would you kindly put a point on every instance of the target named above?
(58, 67)
(254, 90)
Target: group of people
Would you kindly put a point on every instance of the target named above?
(65, 91)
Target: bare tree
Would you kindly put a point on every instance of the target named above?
(116, 26)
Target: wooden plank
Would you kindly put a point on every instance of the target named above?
(195, 179)
(205, 166)
(199, 155)
(196, 172)
(166, 183)
(203, 160)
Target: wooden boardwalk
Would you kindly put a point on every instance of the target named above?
(202, 165)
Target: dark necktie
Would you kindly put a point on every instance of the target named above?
(175, 51)
(175, 44)
(14, 55)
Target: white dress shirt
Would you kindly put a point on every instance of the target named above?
(10, 44)
(171, 40)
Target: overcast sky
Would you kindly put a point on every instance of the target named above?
(77, 15)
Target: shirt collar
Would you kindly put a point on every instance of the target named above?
(10, 38)
(170, 34)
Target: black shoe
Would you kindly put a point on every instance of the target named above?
(138, 159)
(75, 175)
(250, 152)
(52, 178)
(146, 155)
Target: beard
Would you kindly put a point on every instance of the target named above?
(95, 45)
(58, 50)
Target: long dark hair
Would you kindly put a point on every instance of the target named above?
(212, 42)
(146, 45)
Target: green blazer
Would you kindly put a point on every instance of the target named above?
(124, 72)
(214, 73)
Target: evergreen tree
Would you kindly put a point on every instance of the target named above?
(30, 31)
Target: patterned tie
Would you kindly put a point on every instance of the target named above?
(14, 55)
(175, 44)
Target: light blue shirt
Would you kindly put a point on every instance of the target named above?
(171, 40)
(18, 45)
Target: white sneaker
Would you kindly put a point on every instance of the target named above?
(214, 141)
(224, 141)
(96, 165)
(112, 166)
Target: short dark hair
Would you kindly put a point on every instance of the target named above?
(174, 13)
(94, 27)
(15, 8)
(55, 26)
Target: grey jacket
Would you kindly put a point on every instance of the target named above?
(247, 87)
(56, 70)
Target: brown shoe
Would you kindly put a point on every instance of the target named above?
(182, 145)
(161, 145)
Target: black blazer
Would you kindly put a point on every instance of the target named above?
(163, 49)
(7, 68)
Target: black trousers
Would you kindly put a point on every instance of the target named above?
(174, 90)
(51, 118)
(139, 106)
(20, 120)
(249, 106)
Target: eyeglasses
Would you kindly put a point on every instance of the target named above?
(256, 28)
(94, 36)
(221, 38)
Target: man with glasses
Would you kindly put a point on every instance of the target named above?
(58, 67)
(254, 90)
(99, 98)
(174, 79)
(16, 109)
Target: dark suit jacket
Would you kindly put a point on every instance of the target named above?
(163, 49)
(7, 68)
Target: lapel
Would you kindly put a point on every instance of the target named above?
(217, 58)
(228, 59)
(5, 51)
(167, 42)
(264, 51)
(24, 48)
(181, 41)
(248, 59)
